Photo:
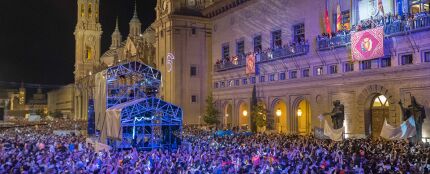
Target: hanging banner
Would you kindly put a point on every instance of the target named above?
(368, 44)
(334, 134)
(405, 130)
(250, 64)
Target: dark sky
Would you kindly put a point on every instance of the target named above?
(37, 41)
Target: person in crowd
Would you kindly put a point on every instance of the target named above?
(37, 150)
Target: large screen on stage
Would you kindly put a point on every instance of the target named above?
(367, 44)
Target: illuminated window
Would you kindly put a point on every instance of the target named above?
(277, 39)
(82, 10)
(230, 83)
(89, 10)
(380, 101)
(89, 53)
(299, 33)
(319, 71)
(417, 6)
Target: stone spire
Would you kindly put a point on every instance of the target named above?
(135, 25)
(116, 37)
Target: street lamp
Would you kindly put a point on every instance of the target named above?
(226, 120)
(299, 112)
(245, 113)
(278, 114)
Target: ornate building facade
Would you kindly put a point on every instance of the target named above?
(300, 73)
(200, 47)
(89, 60)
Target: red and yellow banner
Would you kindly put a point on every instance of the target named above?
(367, 44)
(338, 17)
(250, 64)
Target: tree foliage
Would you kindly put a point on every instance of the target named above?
(253, 106)
(260, 115)
(211, 113)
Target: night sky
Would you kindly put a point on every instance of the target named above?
(37, 41)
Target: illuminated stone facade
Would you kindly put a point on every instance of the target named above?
(301, 78)
(320, 75)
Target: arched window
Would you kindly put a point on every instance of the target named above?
(380, 101)
(82, 10)
(89, 9)
(88, 53)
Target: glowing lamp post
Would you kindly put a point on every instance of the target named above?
(278, 114)
(299, 112)
(245, 113)
(226, 120)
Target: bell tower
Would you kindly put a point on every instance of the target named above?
(87, 33)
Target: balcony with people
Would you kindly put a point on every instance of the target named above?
(394, 25)
(278, 51)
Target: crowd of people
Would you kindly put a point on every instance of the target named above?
(36, 149)
(392, 24)
(278, 50)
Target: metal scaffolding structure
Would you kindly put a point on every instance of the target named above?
(145, 122)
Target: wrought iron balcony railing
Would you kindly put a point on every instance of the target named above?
(397, 27)
(265, 56)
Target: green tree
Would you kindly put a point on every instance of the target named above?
(260, 115)
(253, 110)
(211, 114)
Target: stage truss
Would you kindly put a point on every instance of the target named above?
(146, 122)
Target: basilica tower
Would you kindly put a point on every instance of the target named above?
(87, 38)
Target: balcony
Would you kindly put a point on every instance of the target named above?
(391, 28)
(325, 43)
(261, 57)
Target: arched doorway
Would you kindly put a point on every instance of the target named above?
(303, 114)
(379, 111)
(228, 114)
(280, 116)
(244, 114)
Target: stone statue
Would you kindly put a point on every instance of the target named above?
(418, 112)
(337, 114)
